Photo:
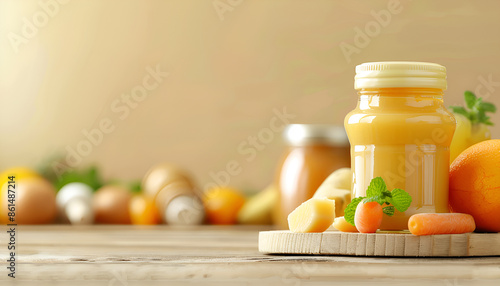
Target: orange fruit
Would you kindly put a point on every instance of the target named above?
(20, 173)
(475, 184)
(143, 210)
(222, 205)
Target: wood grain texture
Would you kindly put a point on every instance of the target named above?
(380, 244)
(215, 255)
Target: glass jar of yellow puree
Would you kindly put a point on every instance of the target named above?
(401, 131)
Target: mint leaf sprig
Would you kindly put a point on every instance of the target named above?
(377, 192)
(477, 109)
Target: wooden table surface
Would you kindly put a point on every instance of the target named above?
(209, 255)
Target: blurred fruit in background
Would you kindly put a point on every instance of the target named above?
(475, 184)
(259, 208)
(472, 124)
(143, 210)
(35, 201)
(174, 194)
(20, 173)
(222, 205)
(111, 205)
(74, 202)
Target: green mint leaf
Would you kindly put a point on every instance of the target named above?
(376, 188)
(388, 210)
(401, 200)
(487, 107)
(477, 109)
(481, 116)
(350, 210)
(470, 99)
(379, 199)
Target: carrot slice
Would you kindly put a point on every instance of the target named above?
(443, 223)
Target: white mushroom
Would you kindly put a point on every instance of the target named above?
(74, 202)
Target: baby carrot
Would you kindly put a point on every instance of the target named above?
(368, 217)
(443, 223)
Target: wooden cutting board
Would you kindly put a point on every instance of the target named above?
(380, 244)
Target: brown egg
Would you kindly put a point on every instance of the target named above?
(35, 201)
(111, 205)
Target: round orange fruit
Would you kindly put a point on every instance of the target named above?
(475, 184)
(222, 205)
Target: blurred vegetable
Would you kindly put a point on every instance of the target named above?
(111, 205)
(143, 210)
(89, 176)
(74, 202)
(135, 187)
(35, 201)
(20, 174)
(174, 194)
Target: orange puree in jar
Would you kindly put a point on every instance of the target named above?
(314, 152)
(401, 131)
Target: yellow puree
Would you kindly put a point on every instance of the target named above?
(402, 135)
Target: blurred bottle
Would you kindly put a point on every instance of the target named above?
(314, 151)
(174, 194)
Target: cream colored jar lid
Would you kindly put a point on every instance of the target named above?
(306, 134)
(400, 74)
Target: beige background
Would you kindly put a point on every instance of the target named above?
(227, 73)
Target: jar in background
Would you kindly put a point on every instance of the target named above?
(401, 131)
(314, 151)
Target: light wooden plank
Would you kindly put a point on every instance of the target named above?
(484, 244)
(412, 245)
(352, 242)
(399, 244)
(330, 243)
(389, 244)
(343, 242)
(380, 243)
(361, 245)
(288, 242)
(441, 245)
(220, 256)
(383, 244)
(370, 244)
(459, 245)
(425, 246)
